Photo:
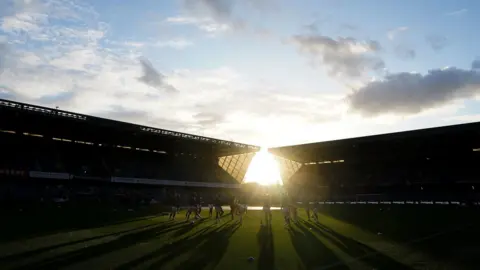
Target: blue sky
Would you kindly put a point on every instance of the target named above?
(264, 72)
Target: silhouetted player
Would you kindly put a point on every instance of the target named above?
(308, 207)
(218, 208)
(174, 202)
(233, 207)
(266, 209)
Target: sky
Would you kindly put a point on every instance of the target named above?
(264, 72)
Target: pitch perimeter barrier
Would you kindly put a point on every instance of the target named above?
(389, 203)
(171, 183)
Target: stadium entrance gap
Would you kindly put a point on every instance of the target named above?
(263, 170)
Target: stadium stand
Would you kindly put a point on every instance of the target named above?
(431, 164)
(62, 153)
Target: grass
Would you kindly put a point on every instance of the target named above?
(347, 237)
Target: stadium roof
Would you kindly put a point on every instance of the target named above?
(21, 117)
(447, 140)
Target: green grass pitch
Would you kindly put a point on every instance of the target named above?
(352, 237)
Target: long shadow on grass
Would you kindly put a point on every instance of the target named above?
(403, 222)
(266, 258)
(312, 252)
(80, 255)
(50, 220)
(209, 246)
(36, 252)
(211, 251)
(412, 225)
(359, 251)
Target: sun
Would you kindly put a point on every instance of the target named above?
(263, 170)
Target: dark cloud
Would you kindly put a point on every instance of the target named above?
(476, 64)
(154, 78)
(405, 52)
(349, 27)
(344, 56)
(225, 11)
(409, 93)
(312, 27)
(219, 9)
(4, 53)
(437, 42)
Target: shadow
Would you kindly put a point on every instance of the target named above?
(211, 251)
(266, 257)
(36, 252)
(202, 241)
(54, 219)
(188, 227)
(358, 251)
(124, 241)
(312, 252)
(446, 233)
(403, 222)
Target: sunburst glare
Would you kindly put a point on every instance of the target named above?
(263, 170)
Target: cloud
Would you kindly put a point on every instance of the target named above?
(457, 12)
(3, 56)
(410, 93)
(344, 56)
(436, 42)
(219, 9)
(79, 66)
(476, 64)
(405, 52)
(77, 62)
(213, 16)
(174, 43)
(220, 16)
(154, 78)
(208, 119)
(391, 34)
(208, 25)
(349, 27)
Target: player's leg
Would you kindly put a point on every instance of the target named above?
(199, 210)
(286, 216)
(218, 213)
(315, 215)
(173, 214)
(233, 209)
(195, 212)
(241, 217)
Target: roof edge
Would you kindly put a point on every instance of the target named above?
(83, 117)
(377, 136)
